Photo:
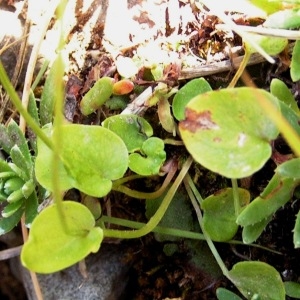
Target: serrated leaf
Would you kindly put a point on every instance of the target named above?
(252, 232)
(31, 208)
(228, 131)
(5, 141)
(11, 208)
(257, 279)
(52, 247)
(277, 193)
(7, 224)
(18, 138)
(21, 161)
(5, 168)
(28, 188)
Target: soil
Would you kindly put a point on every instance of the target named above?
(156, 28)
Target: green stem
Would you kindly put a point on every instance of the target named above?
(158, 229)
(236, 198)
(18, 104)
(171, 231)
(193, 188)
(240, 70)
(173, 142)
(207, 238)
(143, 195)
(156, 218)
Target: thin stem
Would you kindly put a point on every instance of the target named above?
(241, 69)
(236, 198)
(193, 188)
(172, 231)
(142, 195)
(158, 229)
(43, 26)
(58, 117)
(173, 142)
(156, 218)
(17, 103)
(207, 238)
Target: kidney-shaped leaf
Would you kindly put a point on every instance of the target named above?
(150, 160)
(193, 88)
(228, 131)
(87, 162)
(219, 214)
(55, 244)
(257, 279)
(132, 129)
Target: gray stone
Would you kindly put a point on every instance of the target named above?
(106, 278)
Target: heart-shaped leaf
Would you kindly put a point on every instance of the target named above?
(190, 90)
(228, 131)
(219, 214)
(132, 129)
(55, 243)
(86, 161)
(257, 279)
(150, 160)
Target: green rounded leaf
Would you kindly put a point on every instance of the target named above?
(132, 129)
(257, 279)
(269, 6)
(96, 96)
(272, 45)
(292, 289)
(150, 160)
(190, 90)
(280, 90)
(219, 214)
(55, 243)
(228, 131)
(284, 19)
(86, 160)
(223, 294)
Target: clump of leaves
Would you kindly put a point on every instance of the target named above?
(17, 183)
